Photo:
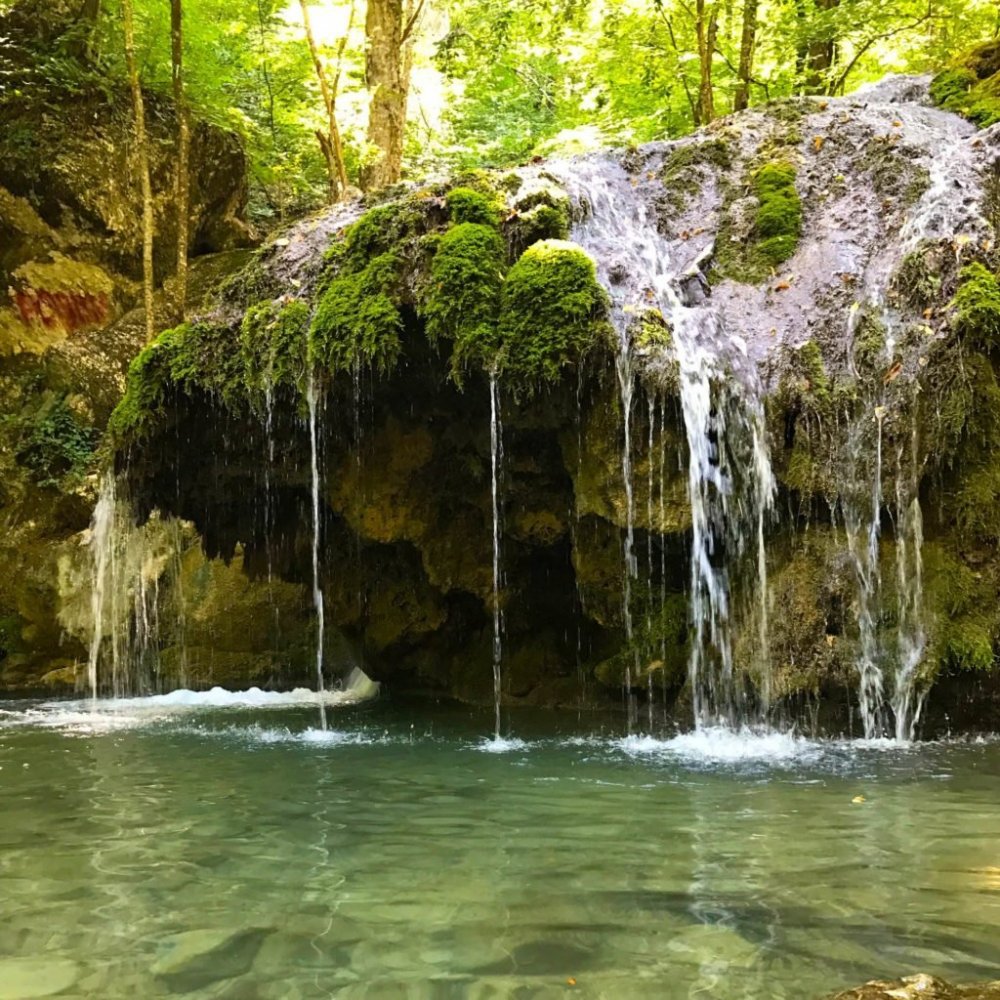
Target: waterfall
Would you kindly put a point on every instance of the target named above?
(496, 460)
(731, 487)
(863, 545)
(317, 590)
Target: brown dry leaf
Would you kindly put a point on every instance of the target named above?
(782, 286)
(893, 373)
(818, 141)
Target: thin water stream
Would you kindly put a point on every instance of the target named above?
(317, 588)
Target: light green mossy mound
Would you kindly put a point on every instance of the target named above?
(551, 312)
(779, 212)
(971, 86)
(273, 341)
(468, 206)
(357, 321)
(976, 306)
(463, 303)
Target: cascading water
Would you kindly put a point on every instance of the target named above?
(730, 483)
(496, 461)
(317, 589)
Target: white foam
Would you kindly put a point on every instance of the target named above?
(498, 744)
(723, 746)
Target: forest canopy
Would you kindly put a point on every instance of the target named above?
(469, 83)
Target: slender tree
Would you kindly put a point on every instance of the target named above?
(183, 151)
(389, 29)
(142, 150)
(330, 142)
(748, 45)
(707, 31)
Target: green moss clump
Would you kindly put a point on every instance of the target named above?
(967, 645)
(977, 305)
(274, 341)
(357, 320)
(468, 206)
(869, 347)
(463, 304)
(971, 85)
(779, 212)
(776, 230)
(379, 231)
(551, 313)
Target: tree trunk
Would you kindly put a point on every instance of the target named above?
(388, 60)
(330, 144)
(707, 29)
(748, 43)
(822, 50)
(183, 153)
(143, 155)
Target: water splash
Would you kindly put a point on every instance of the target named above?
(317, 590)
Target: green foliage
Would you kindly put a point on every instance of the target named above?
(52, 442)
(551, 311)
(976, 306)
(357, 321)
(466, 205)
(464, 299)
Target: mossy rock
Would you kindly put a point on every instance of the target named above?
(776, 229)
(274, 341)
(976, 306)
(552, 312)
(971, 85)
(463, 303)
(357, 321)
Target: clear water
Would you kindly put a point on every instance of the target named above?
(171, 849)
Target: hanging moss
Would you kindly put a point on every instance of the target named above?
(274, 340)
(551, 313)
(463, 304)
(357, 320)
(977, 306)
(466, 205)
(192, 356)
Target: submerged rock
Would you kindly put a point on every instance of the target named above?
(920, 987)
